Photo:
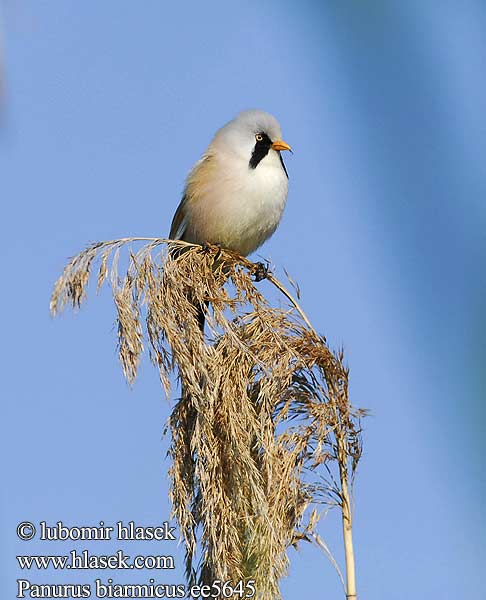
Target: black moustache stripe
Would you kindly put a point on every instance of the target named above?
(260, 151)
(283, 165)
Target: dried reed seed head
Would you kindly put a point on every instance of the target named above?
(264, 406)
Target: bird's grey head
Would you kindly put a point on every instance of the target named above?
(251, 136)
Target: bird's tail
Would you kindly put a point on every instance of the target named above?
(201, 308)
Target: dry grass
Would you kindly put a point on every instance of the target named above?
(264, 431)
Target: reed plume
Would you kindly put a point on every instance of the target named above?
(263, 433)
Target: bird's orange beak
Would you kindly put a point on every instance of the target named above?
(281, 145)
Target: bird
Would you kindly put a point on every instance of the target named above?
(235, 194)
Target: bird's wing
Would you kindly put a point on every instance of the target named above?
(195, 182)
(179, 222)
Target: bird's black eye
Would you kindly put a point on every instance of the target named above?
(259, 137)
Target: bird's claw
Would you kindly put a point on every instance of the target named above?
(260, 271)
(218, 253)
(207, 248)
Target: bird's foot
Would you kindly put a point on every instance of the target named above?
(208, 248)
(260, 271)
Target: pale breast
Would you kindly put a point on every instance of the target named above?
(238, 207)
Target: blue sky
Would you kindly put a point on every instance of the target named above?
(107, 107)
